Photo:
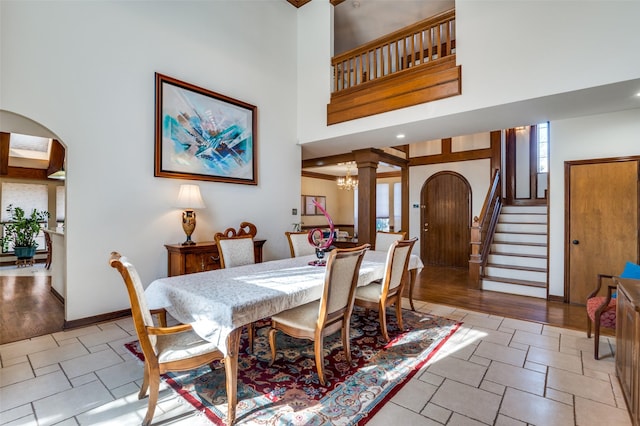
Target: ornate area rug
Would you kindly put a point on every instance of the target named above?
(289, 393)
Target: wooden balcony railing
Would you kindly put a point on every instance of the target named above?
(420, 43)
(413, 65)
(483, 229)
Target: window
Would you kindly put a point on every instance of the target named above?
(543, 147)
(382, 207)
(397, 206)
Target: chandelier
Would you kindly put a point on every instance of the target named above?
(347, 182)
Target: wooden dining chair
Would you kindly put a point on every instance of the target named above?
(165, 349)
(388, 291)
(602, 309)
(49, 250)
(299, 244)
(235, 251)
(385, 239)
(331, 313)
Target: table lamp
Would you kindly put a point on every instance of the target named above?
(189, 198)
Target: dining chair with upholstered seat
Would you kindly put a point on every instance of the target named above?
(235, 251)
(331, 313)
(165, 349)
(388, 291)
(385, 239)
(601, 310)
(299, 244)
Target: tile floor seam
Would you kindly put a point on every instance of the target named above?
(439, 406)
(500, 404)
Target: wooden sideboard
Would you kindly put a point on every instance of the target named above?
(199, 257)
(628, 344)
(345, 242)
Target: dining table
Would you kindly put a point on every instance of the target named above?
(218, 303)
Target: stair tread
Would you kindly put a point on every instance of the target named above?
(520, 268)
(534, 212)
(520, 243)
(534, 256)
(515, 222)
(516, 281)
(521, 233)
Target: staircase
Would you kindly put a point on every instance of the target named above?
(517, 261)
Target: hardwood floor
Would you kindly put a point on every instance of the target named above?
(448, 286)
(28, 308)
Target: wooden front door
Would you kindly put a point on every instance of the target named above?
(602, 229)
(446, 220)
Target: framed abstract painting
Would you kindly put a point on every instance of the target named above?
(203, 135)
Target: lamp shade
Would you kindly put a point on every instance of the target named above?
(189, 197)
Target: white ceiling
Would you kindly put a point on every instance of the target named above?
(341, 170)
(596, 100)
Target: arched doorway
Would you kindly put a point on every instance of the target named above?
(446, 220)
(30, 305)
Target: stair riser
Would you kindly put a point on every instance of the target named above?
(530, 262)
(524, 209)
(517, 274)
(522, 218)
(518, 227)
(501, 237)
(522, 290)
(519, 249)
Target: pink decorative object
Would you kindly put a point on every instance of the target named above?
(316, 238)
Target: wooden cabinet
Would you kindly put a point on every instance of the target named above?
(628, 344)
(345, 242)
(199, 257)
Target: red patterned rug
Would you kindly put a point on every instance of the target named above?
(288, 392)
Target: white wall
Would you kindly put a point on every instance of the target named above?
(85, 70)
(477, 172)
(339, 202)
(552, 46)
(598, 136)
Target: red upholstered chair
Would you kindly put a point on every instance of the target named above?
(601, 311)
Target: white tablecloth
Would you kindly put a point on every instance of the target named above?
(217, 302)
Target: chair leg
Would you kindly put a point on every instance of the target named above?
(272, 343)
(383, 323)
(318, 345)
(596, 339)
(346, 343)
(250, 332)
(588, 327)
(154, 389)
(145, 382)
(399, 313)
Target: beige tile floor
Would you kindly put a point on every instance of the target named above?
(493, 371)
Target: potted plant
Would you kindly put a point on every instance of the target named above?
(22, 231)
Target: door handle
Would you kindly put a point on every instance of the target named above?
(575, 242)
(426, 227)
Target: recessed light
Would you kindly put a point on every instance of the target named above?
(400, 136)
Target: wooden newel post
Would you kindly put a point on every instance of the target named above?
(475, 260)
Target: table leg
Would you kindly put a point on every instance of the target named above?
(412, 282)
(231, 370)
